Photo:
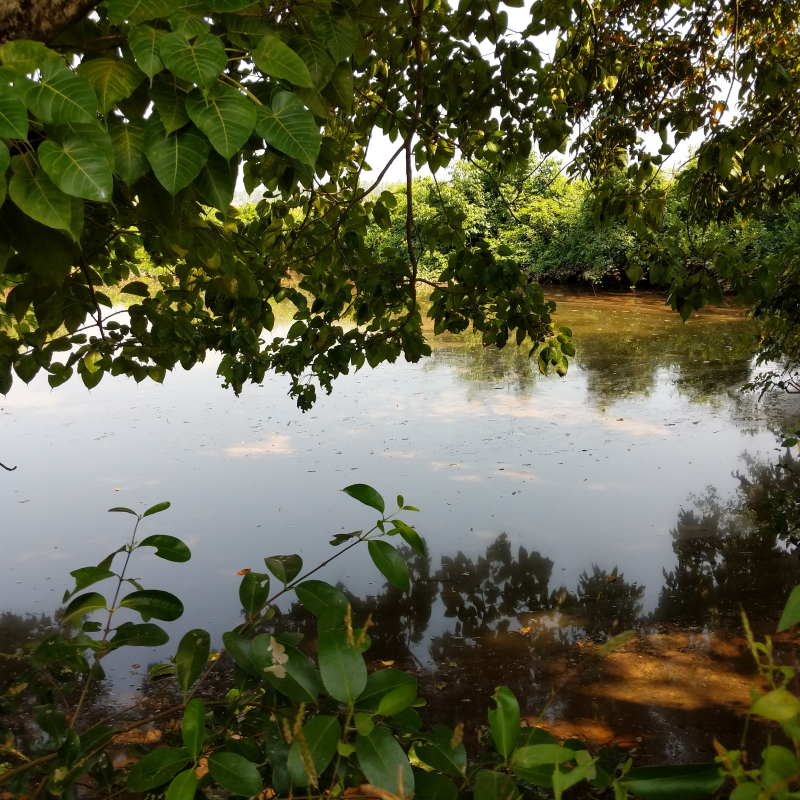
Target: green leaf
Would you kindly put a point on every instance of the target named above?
(78, 167)
(136, 11)
(143, 635)
(183, 786)
(5, 160)
(156, 509)
(536, 755)
(620, 640)
(216, 182)
(344, 673)
(239, 650)
(25, 56)
(136, 288)
(322, 734)
(791, 611)
(83, 604)
(201, 61)
(275, 58)
(391, 564)
(340, 89)
(130, 159)
(253, 592)
(169, 98)
(779, 705)
(112, 79)
(189, 23)
(86, 576)
(315, 56)
(340, 35)
(13, 115)
(674, 782)
(504, 721)
(59, 96)
(169, 548)
(92, 132)
(156, 768)
(122, 509)
(366, 495)
(191, 658)
(289, 127)
(433, 786)
(410, 535)
(145, 44)
(384, 763)
(39, 198)
(320, 597)
(192, 730)
(229, 6)
(234, 773)
(300, 682)
(154, 603)
(381, 683)
(284, 568)
(439, 753)
(224, 115)
(495, 786)
(397, 700)
(176, 158)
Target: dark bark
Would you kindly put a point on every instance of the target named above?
(42, 20)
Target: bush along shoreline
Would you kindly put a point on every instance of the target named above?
(294, 728)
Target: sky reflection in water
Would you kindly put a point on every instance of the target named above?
(592, 475)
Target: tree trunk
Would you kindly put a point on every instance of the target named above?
(42, 20)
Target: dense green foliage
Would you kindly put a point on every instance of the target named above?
(293, 95)
(295, 727)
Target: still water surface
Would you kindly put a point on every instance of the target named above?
(533, 491)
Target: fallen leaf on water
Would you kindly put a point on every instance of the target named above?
(611, 579)
(116, 490)
(621, 419)
(453, 664)
(387, 663)
(243, 571)
(524, 630)
(440, 686)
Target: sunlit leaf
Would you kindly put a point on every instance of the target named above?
(59, 95)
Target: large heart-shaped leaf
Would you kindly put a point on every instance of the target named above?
(112, 80)
(78, 167)
(145, 44)
(200, 61)
(316, 58)
(190, 22)
(130, 159)
(169, 98)
(289, 127)
(13, 115)
(136, 11)
(60, 95)
(216, 182)
(340, 35)
(229, 6)
(41, 199)
(224, 115)
(176, 158)
(339, 91)
(25, 56)
(92, 132)
(154, 603)
(275, 58)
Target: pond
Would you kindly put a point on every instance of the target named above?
(556, 512)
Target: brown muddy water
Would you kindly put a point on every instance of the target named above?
(556, 512)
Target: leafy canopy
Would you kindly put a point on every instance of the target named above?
(125, 135)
